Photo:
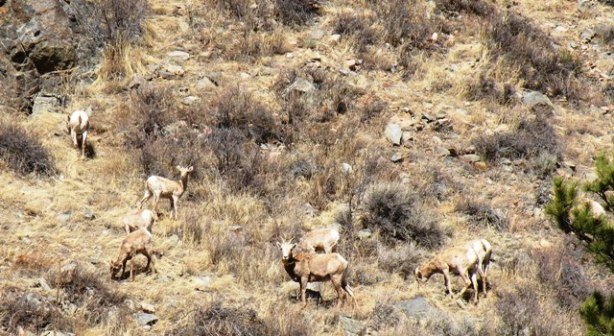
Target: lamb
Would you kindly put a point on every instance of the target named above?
(77, 125)
(304, 267)
(462, 261)
(320, 240)
(157, 187)
(137, 242)
(483, 250)
(141, 219)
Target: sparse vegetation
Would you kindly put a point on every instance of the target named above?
(23, 153)
(598, 313)
(482, 214)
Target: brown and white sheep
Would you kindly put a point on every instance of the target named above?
(141, 219)
(137, 242)
(160, 187)
(323, 240)
(304, 267)
(462, 261)
(77, 125)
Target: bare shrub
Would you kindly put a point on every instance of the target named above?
(372, 107)
(23, 153)
(564, 274)
(533, 139)
(522, 44)
(150, 111)
(456, 7)
(356, 27)
(30, 311)
(482, 215)
(484, 87)
(399, 216)
(402, 259)
(297, 12)
(87, 291)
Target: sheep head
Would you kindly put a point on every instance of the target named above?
(286, 249)
(115, 267)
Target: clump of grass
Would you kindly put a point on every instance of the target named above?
(482, 215)
(484, 87)
(30, 311)
(399, 216)
(356, 27)
(532, 139)
(402, 259)
(23, 153)
(297, 12)
(456, 7)
(523, 45)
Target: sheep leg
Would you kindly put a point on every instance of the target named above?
(340, 293)
(174, 201)
(83, 143)
(145, 198)
(304, 281)
(467, 282)
(73, 135)
(156, 200)
(482, 273)
(446, 279)
(124, 267)
(474, 281)
(132, 271)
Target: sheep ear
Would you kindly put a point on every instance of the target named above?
(190, 169)
(178, 167)
(278, 244)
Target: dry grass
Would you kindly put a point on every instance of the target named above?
(272, 161)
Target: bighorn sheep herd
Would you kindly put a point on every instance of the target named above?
(312, 259)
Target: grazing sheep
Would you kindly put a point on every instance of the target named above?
(157, 187)
(141, 219)
(137, 242)
(483, 250)
(324, 240)
(304, 267)
(462, 261)
(77, 125)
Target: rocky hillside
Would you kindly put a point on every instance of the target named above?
(410, 126)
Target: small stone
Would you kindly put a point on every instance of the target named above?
(505, 161)
(535, 98)
(202, 283)
(587, 35)
(310, 210)
(89, 214)
(481, 165)
(44, 285)
(148, 308)
(350, 326)
(428, 117)
(45, 104)
(346, 168)
(63, 218)
(442, 151)
(205, 84)
(301, 85)
(471, 158)
(317, 34)
(145, 319)
(244, 75)
(335, 38)
(364, 234)
(396, 157)
(417, 307)
(56, 333)
(170, 71)
(189, 100)
(393, 133)
(181, 56)
(407, 137)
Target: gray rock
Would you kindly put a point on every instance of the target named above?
(45, 104)
(44, 285)
(346, 168)
(350, 326)
(335, 38)
(170, 71)
(587, 35)
(148, 308)
(301, 85)
(244, 75)
(177, 55)
(393, 133)
(535, 98)
(175, 127)
(202, 283)
(407, 137)
(317, 34)
(89, 214)
(442, 151)
(364, 234)
(189, 100)
(471, 158)
(428, 117)
(56, 333)
(145, 319)
(416, 307)
(205, 84)
(396, 157)
(63, 218)
(310, 210)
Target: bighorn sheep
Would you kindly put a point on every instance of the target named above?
(462, 261)
(137, 242)
(141, 219)
(483, 250)
(157, 187)
(304, 267)
(320, 240)
(77, 125)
